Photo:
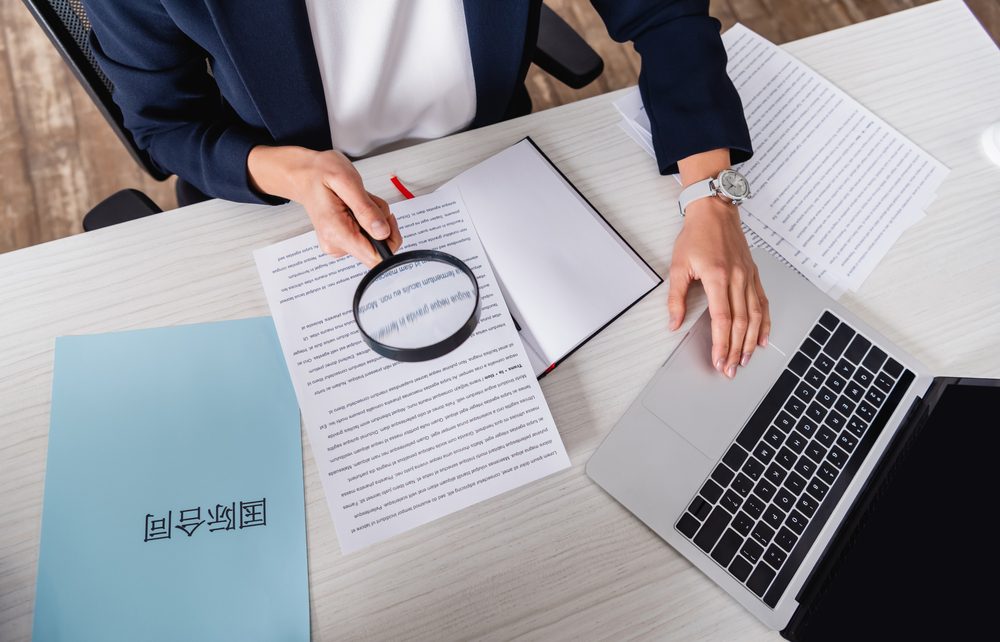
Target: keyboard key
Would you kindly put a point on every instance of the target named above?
(773, 517)
(837, 457)
(796, 522)
(764, 490)
(768, 408)
(815, 451)
(823, 363)
(835, 382)
(742, 484)
(827, 472)
(753, 469)
(774, 556)
(774, 437)
(795, 407)
(854, 391)
(875, 397)
(856, 351)
(785, 539)
(784, 422)
(817, 489)
(799, 364)
(763, 452)
(816, 412)
(688, 525)
(784, 499)
(775, 474)
(760, 579)
(762, 533)
(874, 359)
(711, 530)
(752, 550)
(711, 491)
(740, 568)
(857, 426)
(828, 320)
(884, 382)
(731, 501)
(700, 508)
(819, 334)
(735, 457)
(786, 458)
(844, 368)
(826, 436)
(845, 406)
(809, 347)
(835, 421)
(815, 378)
(727, 547)
(795, 483)
(722, 475)
(805, 467)
(847, 441)
(742, 523)
(865, 411)
(807, 505)
(893, 368)
(863, 377)
(795, 442)
(805, 392)
(826, 397)
(841, 337)
(806, 426)
(753, 506)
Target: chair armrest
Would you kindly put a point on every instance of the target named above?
(126, 205)
(565, 55)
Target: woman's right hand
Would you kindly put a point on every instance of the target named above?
(330, 188)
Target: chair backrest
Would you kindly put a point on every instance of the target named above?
(67, 26)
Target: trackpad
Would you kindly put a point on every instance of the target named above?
(698, 402)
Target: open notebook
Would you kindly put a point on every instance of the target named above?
(564, 271)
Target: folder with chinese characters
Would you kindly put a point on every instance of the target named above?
(173, 491)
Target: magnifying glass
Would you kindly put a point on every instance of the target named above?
(416, 305)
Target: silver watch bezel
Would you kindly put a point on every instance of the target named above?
(720, 190)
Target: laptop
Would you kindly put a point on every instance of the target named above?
(770, 483)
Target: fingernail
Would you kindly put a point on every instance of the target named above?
(718, 364)
(763, 342)
(731, 372)
(744, 360)
(673, 322)
(379, 228)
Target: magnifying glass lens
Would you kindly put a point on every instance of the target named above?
(417, 304)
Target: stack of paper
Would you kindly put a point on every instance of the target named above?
(833, 185)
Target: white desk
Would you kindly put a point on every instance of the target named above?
(559, 558)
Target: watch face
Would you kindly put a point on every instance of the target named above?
(733, 184)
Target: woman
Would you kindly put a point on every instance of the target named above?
(293, 88)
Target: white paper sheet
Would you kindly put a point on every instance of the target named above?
(833, 185)
(400, 444)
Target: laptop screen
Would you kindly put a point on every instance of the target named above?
(921, 544)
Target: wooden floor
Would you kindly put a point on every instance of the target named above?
(58, 157)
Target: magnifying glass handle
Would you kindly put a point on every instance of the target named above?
(380, 246)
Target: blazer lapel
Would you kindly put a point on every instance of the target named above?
(271, 47)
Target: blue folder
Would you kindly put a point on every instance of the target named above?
(173, 493)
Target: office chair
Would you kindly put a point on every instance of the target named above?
(559, 51)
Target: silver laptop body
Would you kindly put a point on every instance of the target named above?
(670, 440)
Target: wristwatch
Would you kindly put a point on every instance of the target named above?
(728, 185)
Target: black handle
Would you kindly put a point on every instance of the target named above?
(380, 246)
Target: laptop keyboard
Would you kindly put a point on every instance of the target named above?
(762, 507)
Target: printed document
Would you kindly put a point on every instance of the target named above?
(400, 444)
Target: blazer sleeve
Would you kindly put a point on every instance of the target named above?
(170, 101)
(691, 102)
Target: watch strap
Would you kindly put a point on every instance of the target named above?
(694, 191)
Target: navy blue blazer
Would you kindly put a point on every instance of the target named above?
(261, 84)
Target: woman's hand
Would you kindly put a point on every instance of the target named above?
(330, 188)
(713, 249)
